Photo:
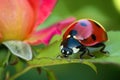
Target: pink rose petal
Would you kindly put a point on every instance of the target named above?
(44, 36)
(42, 9)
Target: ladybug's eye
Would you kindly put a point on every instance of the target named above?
(63, 51)
(68, 52)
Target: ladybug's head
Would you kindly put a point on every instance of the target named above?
(66, 51)
(70, 45)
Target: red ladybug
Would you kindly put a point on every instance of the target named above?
(82, 34)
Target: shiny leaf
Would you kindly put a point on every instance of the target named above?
(19, 49)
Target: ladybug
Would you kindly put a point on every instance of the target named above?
(81, 35)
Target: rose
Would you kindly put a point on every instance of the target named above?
(19, 20)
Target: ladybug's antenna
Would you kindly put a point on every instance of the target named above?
(58, 56)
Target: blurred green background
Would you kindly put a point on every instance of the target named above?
(107, 12)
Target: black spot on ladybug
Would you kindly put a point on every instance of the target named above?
(83, 24)
(73, 32)
(93, 37)
(97, 24)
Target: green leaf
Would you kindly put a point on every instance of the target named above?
(4, 55)
(91, 65)
(2, 73)
(19, 49)
(47, 56)
(50, 74)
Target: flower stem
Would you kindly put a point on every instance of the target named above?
(2, 75)
(20, 73)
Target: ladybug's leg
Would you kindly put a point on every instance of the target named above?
(103, 47)
(81, 55)
(91, 55)
(85, 50)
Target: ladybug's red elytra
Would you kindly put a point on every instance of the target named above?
(82, 34)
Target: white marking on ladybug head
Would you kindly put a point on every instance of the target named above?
(74, 37)
(61, 47)
(75, 50)
(68, 36)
